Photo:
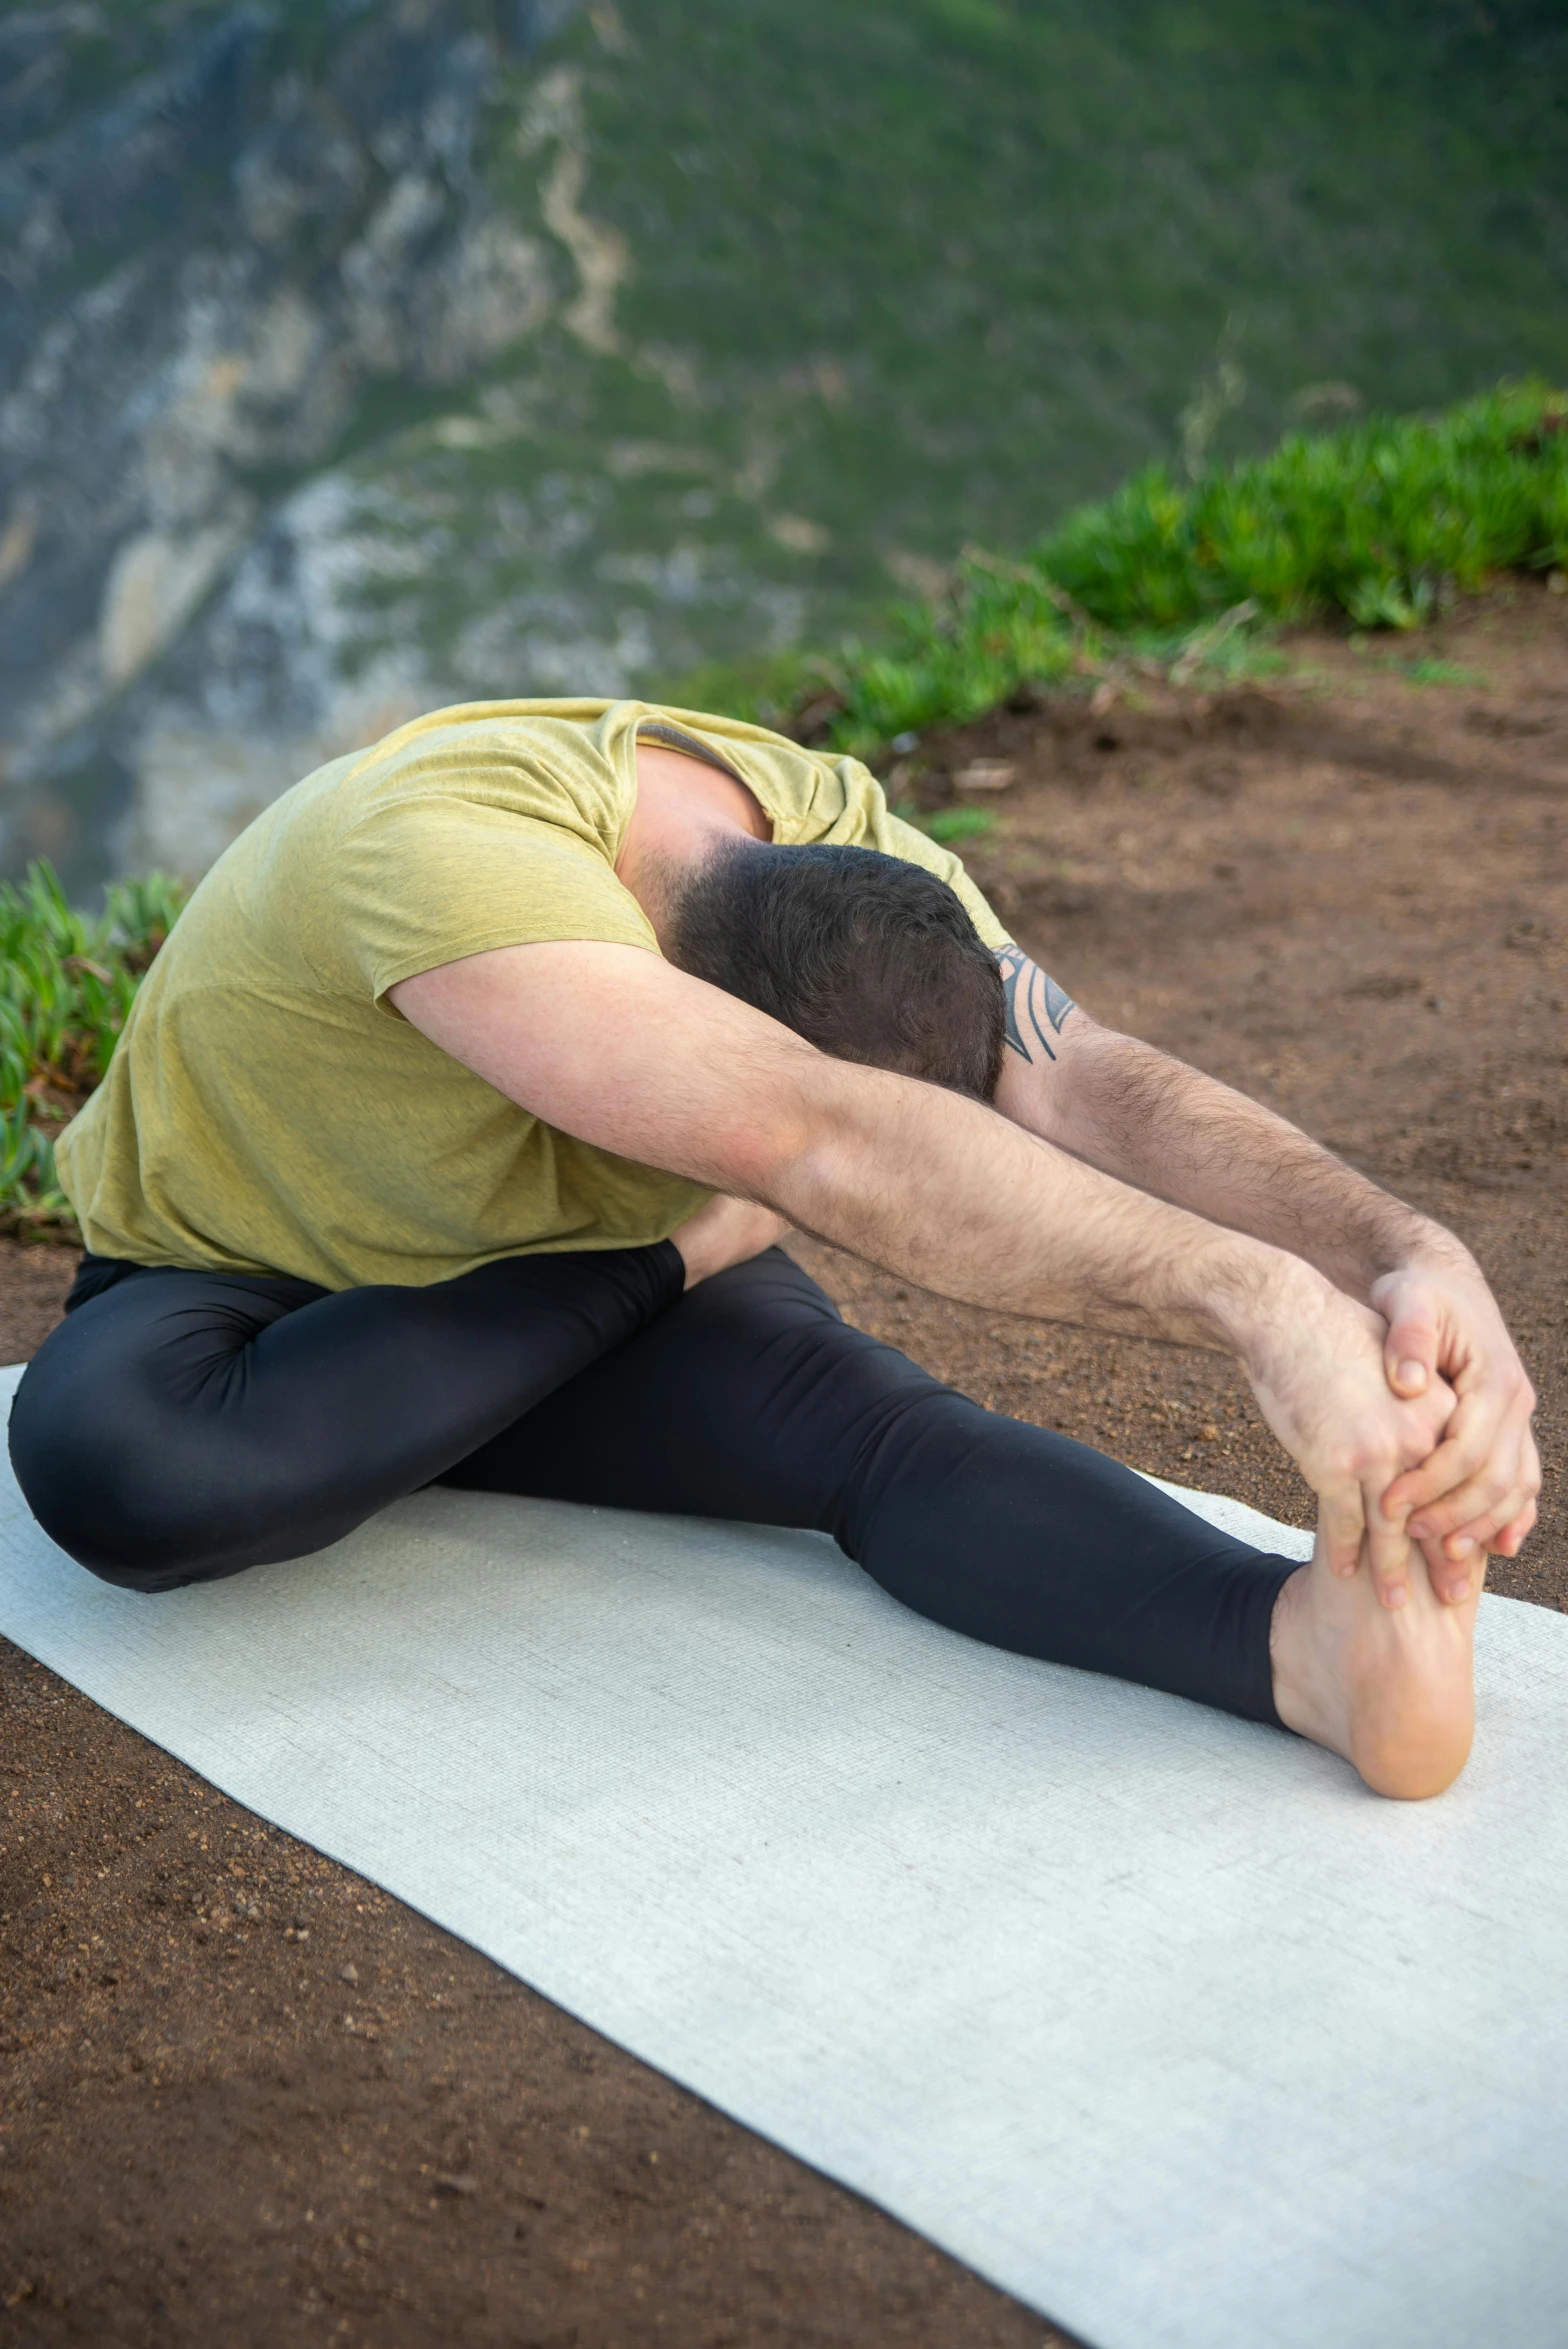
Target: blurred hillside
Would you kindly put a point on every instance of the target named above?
(356, 356)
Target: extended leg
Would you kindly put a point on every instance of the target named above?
(753, 1400)
(182, 1425)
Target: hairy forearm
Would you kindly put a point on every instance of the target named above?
(951, 1196)
(1157, 1123)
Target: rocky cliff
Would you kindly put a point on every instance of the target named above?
(234, 233)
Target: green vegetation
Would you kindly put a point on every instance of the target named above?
(949, 268)
(67, 980)
(954, 825)
(1433, 672)
(896, 276)
(1383, 524)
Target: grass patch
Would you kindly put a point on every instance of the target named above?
(1443, 673)
(1382, 524)
(1429, 671)
(67, 981)
(951, 826)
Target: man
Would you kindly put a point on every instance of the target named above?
(451, 1134)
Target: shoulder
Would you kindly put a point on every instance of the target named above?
(474, 768)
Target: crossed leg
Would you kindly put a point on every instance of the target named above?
(181, 1425)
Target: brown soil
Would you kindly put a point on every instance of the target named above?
(253, 2100)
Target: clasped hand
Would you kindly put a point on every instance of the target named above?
(1477, 1491)
(1411, 1423)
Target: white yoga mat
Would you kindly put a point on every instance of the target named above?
(1153, 2017)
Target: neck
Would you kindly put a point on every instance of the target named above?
(685, 810)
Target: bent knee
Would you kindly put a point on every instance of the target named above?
(109, 1502)
(119, 1537)
(129, 1566)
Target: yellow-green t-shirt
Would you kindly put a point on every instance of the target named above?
(267, 1109)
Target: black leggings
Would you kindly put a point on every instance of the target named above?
(181, 1425)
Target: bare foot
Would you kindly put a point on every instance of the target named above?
(1390, 1688)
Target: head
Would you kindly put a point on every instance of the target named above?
(869, 958)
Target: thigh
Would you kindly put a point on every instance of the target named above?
(750, 1399)
(183, 1424)
(753, 1400)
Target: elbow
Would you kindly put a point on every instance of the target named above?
(780, 1129)
(761, 1155)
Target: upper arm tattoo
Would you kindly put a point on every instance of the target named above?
(1035, 1006)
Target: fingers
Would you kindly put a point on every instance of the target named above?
(1458, 1471)
(1467, 1445)
(1511, 1540)
(1485, 1531)
(1341, 1525)
(1388, 1548)
(1473, 1508)
(1480, 1531)
(1410, 1350)
(1494, 1511)
(1450, 1567)
(1384, 1543)
(1450, 1584)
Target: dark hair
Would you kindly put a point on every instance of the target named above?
(868, 958)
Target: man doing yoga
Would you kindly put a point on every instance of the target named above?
(452, 1132)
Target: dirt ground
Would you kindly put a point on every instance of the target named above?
(249, 2099)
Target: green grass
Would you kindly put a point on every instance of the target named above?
(67, 980)
(1443, 673)
(1384, 522)
(952, 826)
(959, 264)
(1382, 525)
(1425, 670)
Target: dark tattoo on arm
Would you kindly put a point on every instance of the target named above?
(1035, 1006)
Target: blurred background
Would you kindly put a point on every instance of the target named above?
(360, 355)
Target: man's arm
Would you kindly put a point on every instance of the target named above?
(1136, 1113)
(623, 1050)
(1150, 1120)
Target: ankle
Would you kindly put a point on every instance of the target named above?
(1303, 1692)
(1390, 1691)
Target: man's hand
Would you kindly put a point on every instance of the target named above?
(1477, 1490)
(1316, 1361)
(725, 1232)
(1152, 1121)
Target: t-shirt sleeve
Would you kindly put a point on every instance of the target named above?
(880, 828)
(427, 881)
